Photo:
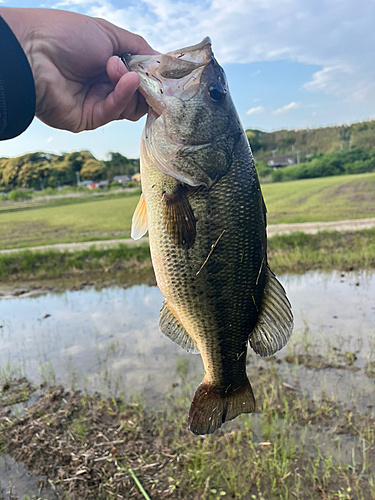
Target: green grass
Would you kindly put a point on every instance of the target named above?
(294, 253)
(96, 219)
(299, 252)
(322, 199)
(108, 217)
(54, 264)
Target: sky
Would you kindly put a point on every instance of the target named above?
(289, 63)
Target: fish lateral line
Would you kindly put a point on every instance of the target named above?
(210, 252)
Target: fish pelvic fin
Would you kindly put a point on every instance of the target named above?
(275, 320)
(212, 407)
(179, 217)
(172, 328)
(139, 220)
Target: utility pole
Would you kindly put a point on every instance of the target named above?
(78, 179)
(298, 153)
(41, 183)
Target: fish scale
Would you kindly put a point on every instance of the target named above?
(217, 299)
(206, 218)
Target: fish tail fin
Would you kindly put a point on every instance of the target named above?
(211, 407)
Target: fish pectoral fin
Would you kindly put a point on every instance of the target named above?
(275, 320)
(139, 220)
(172, 328)
(179, 217)
(211, 407)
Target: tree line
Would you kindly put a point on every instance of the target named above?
(346, 161)
(312, 141)
(42, 170)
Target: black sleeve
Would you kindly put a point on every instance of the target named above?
(17, 90)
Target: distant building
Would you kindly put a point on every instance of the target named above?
(136, 178)
(281, 161)
(122, 179)
(103, 184)
(85, 183)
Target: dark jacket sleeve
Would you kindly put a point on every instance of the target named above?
(17, 90)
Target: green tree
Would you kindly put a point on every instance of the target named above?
(120, 165)
(93, 170)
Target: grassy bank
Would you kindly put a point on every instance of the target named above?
(295, 253)
(27, 265)
(299, 252)
(107, 217)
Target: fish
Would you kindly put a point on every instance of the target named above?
(202, 206)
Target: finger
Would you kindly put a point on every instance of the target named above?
(114, 105)
(115, 69)
(136, 109)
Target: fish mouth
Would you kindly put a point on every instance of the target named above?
(174, 74)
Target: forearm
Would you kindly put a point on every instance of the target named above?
(17, 90)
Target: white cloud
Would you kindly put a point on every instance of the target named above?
(255, 111)
(337, 35)
(286, 108)
(49, 139)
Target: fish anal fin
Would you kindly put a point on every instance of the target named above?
(275, 320)
(212, 407)
(139, 220)
(179, 217)
(172, 328)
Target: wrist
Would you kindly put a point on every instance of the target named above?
(19, 22)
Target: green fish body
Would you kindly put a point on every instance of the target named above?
(206, 218)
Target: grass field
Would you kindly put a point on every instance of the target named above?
(322, 199)
(96, 219)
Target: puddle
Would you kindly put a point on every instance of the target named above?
(15, 482)
(108, 340)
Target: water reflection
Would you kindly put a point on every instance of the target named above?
(109, 340)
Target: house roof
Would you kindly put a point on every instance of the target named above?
(281, 161)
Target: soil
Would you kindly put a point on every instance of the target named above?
(90, 447)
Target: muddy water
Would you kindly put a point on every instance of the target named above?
(108, 340)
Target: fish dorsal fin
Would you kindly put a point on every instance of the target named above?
(275, 320)
(179, 217)
(171, 327)
(139, 220)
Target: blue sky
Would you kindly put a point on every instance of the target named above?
(289, 63)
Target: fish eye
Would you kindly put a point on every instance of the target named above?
(217, 91)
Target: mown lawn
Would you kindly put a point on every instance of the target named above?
(322, 199)
(92, 220)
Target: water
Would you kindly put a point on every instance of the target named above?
(108, 340)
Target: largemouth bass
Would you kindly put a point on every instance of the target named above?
(203, 208)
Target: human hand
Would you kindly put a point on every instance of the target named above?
(80, 82)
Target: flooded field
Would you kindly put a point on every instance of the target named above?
(108, 340)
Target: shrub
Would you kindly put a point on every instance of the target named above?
(19, 195)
